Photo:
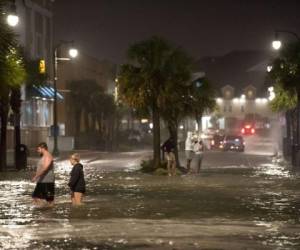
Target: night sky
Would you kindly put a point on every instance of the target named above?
(105, 28)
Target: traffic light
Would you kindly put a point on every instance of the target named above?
(42, 66)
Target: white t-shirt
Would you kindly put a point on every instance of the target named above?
(188, 144)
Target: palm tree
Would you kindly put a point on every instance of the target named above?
(142, 81)
(81, 93)
(202, 99)
(12, 76)
(156, 81)
(286, 103)
(172, 101)
(286, 73)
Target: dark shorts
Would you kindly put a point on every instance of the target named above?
(44, 191)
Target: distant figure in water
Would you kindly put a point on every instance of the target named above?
(169, 149)
(189, 153)
(44, 176)
(77, 182)
(198, 150)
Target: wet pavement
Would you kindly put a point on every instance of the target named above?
(239, 201)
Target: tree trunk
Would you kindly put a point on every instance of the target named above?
(156, 136)
(86, 121)
(93, 123)
(77, 120)
(99, 123)
(15, 102)
(173, 131)
(198, 117)
(297, 141)
(116, 133)
(288, 143)
(3, 142)
(298, 119)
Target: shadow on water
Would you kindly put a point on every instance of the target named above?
(222, 208)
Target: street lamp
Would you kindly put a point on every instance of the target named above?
(72, 53)
(12, 18)
(276, 43)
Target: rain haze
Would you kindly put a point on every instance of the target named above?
(205, 28)
(150, 124)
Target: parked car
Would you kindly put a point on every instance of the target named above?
(217, 141)
(233, 143)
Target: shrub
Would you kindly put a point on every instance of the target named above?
(161, 171)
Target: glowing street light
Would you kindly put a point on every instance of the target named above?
(12, 20)
(73, 52)
(276, 44)
(269, 68)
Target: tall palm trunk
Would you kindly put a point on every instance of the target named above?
(156, 135)
(297, 141)
(86, 121)
(3, 139)
(77, 120)
(198, 117)
(288, 141)
(15, 102)
(173, 131)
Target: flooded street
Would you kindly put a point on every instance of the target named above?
(239, 201)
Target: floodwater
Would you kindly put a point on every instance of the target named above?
(254, 206)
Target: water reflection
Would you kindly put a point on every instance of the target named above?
(232, 208)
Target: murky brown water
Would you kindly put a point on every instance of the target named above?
(249, 207)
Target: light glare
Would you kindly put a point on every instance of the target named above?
(73, 53)
(276, 44)
(12, 20)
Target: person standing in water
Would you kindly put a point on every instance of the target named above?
(76, 182)
(169, 149)
(44, 176)
(189, 153)
(198, 150)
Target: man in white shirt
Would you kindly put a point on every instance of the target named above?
(189, 150)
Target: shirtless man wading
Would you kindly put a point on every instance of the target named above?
(44, 176)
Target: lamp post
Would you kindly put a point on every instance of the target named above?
(72, 53)
(276, 43)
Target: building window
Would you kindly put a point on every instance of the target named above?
(242, 109)
(224, 109)
(227, 94)
(230, 108)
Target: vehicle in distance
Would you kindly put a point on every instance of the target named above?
(233, 143)
(248, 129)
(217, 142)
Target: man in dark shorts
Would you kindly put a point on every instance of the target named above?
(44, 176)
(169, 149)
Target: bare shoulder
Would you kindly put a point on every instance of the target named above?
(48, 157)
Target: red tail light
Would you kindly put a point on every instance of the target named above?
(243, 131)
(252, 131)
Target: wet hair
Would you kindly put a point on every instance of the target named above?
(43, 145)
(75, 157)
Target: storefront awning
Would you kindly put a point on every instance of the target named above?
(43, 91)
